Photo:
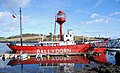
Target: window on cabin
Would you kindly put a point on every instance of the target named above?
(47, 43)
(66, 35)
(41, 44)
(67, 39)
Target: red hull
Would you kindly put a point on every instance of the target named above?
(50, 49)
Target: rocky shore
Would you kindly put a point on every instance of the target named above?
(104, 68)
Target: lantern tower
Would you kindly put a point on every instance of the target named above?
(60, 19)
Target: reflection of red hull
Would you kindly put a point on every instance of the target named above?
(99, 50)
(51, 49)
(54, 60)
(102, 57)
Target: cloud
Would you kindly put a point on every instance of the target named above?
(101, 20)
(14, 3)
(9, 23)
(11, 29)
(25, 19)
(6, 18)
(4, 15)
(94, 15)
(115, 13)
(97, 4)
(1, 31)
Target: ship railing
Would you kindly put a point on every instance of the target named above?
(111, 44)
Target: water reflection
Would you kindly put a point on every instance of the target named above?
(3, 64)
(52, 60)
(110, 56)
(59, 64)
(55, 64)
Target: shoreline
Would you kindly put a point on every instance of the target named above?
(19, 41)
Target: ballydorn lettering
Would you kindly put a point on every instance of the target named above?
(48, 51)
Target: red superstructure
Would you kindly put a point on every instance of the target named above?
(60, 20)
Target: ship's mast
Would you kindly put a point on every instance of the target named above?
(21, 27)
(54, 36)
(21, 36)
(83, 40)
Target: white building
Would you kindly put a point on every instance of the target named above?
(68, 36)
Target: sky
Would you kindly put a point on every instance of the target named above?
(93, 18)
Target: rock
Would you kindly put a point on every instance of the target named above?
(107, 68)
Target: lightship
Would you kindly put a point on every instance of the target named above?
(65, 45)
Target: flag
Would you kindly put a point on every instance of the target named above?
(13, 16)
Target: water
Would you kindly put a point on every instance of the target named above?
(3, 48)
(54, 64)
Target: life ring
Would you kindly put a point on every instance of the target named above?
(17, 52)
